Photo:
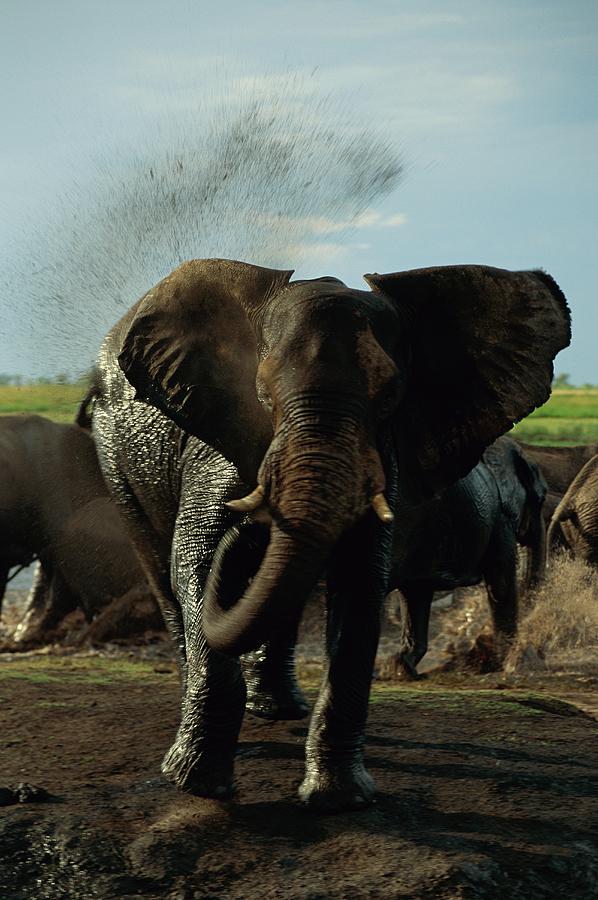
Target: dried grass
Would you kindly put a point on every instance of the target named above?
(561, 626)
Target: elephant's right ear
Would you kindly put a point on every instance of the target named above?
(482, 343)
(191, 351)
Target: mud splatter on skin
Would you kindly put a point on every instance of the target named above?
(256, 178)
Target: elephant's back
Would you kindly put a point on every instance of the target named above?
(559, 465)
(582, 501)
(40, 458)
(584, 487)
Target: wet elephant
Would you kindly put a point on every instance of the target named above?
(468, 535)
(54, 506)
(230, 390)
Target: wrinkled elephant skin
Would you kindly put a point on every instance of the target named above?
(325, 408)
(469, 535)
(574, 523)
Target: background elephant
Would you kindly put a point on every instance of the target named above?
(574, 523)
(340, 405)
(559, 466)
(54, 506)
(468, 535)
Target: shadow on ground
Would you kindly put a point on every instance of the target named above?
(482, 793)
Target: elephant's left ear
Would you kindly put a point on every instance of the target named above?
(191, 350)
(483, 341)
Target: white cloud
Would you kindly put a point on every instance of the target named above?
(396, 221)
(323, 252)
(318, 253)
(369, 218)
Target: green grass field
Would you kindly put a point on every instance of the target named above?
(569, 417)
(56, 401)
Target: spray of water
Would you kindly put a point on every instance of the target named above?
(251, 177)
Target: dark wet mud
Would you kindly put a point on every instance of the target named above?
(484, 791)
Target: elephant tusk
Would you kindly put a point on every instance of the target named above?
(249, 503)
(382, 509)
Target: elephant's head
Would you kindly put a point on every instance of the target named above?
(299, 383)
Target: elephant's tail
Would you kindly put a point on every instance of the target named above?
(85, 411)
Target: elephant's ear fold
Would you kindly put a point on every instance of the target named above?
(191, 350)
(482, 345)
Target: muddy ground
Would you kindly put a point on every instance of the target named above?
(484, 791)
(488, 787)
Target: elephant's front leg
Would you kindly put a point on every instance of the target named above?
(201, 759)
(336, 778)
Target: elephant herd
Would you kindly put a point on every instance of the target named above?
(247, 437)
(55, 509)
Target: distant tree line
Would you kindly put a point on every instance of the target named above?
(563, 380)
(20, 380)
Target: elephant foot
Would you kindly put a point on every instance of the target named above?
(405, 669)
(205, 776)
(28, 634)
(278, 705)
(337, 790)
(488, 653)
(272, 689)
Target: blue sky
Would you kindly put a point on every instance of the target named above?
(492, 106)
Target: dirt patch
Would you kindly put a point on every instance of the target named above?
(482, 793)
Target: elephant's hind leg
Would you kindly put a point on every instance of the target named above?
(500, 573)
(415, 605)
(272, 689)
(49, 601)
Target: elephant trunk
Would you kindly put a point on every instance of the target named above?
(317, 489)
(278, 588)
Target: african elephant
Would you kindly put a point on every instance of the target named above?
(470, 534)
(575, 520)
(54, 506)
(559, 466)
(333, 407)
